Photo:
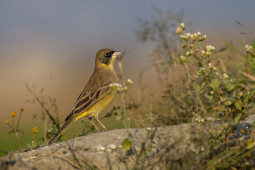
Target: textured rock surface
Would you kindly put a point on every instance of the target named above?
(104, 150)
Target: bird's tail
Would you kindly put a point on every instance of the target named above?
(63, 128)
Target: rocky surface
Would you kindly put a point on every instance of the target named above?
(104, 150)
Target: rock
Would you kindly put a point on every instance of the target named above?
(104, 150)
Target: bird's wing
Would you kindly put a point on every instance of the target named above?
(88, 99)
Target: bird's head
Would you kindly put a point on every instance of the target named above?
(106, 57)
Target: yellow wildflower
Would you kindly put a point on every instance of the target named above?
(13, 114)
(35, 130)
(241, 131)
(249, 141)
(22, 109)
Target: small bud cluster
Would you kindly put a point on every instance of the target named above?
(201, 71)
(199, 119)
(249, 49)
(129, 82)
(225, 76)
(189, 53)
(186, 37)
(180, 29)
(196, 36)
(118, 87)
(210, 48)
(184, 59)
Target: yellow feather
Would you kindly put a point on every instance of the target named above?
(99, 106)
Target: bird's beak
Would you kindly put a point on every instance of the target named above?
(116, 54)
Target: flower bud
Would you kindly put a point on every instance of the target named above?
(13, 114)
(210, 65)
(225, 76)
(183, 26)
(35, 130)
(7, 121)
(179, 30)
(183, 45)
(184, 59)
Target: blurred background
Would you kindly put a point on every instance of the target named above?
(59, 39)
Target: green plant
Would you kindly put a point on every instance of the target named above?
(15, 129)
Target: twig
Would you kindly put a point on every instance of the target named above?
(42, 105)
(247, 75)
(74, 155)
(68, 160)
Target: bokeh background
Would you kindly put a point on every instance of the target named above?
(61, 38)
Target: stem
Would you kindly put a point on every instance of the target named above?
(19, 120)
(200, 45)
(124, 110)
(187, 69)
(18, 140)
(13, 123)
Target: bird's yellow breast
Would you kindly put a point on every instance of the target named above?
(99, 106)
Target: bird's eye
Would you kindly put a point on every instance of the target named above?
(107, 54)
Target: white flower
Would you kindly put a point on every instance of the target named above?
(204, 37)
(203, 52)
(217, 73)
(184, 59)
(210, 65)
(225, 76)
(183, 25)
(129, 81)
(179, 30)
(210, 48)
(198, 33)
(208, 53)
(187, 53)
(195, 35)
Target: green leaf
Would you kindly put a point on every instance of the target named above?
(215, 84)
(230, 86)
(238, 106)
(197, 88)
(225, 81)
(209, 97)
(203, 84)
(126, 144)
(11, 132)
(21, 131)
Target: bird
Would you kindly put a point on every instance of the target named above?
(97, 93)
